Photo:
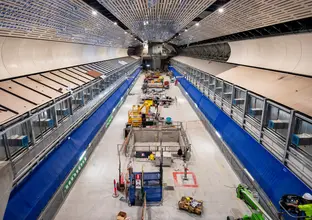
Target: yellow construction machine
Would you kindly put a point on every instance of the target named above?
(137, 117)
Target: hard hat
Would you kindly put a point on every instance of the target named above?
(307, 196)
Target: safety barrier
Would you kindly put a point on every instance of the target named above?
(33, 194)
(273, 177)
(150, 186)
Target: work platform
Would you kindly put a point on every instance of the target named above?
(211, 178)
(169, 138)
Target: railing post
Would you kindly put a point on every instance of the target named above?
(55, 115)
(222, 92)
(8, 153)
(70, 100)
(6, 146)
(214, 90)
(30, 128)
(232, 99)
(263, 118)
(245, 107)
(291, 127)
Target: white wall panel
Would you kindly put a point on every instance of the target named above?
(136, 57)
(25, 56)
(208, 66)
(291, 53)
(3, 72)
(44, 55)
(305, 64)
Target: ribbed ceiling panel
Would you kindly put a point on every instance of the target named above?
(243, 15)
(156, 20)
(60, 20)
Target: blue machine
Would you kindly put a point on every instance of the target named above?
(168, 121)
(151, 185)
(301, 139)
(18, 141)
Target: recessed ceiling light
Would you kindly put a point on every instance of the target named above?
(94, 12)
(197, 24)
(185, 30)
(179, 34)
(126, 32)
(220, 10)
(115, 23)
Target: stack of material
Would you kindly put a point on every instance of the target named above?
(191, 205)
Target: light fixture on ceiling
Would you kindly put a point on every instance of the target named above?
(94, 12)
(115, 23)
(145, 23)
(126, 32)
(179, 34)
(220, 10)
(197, 24)
(185, 30)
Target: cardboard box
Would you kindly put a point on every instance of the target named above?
(121, 215)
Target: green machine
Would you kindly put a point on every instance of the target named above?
(258, 213)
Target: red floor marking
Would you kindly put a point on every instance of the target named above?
(176, 182)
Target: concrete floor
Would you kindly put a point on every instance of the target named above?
(91, 196)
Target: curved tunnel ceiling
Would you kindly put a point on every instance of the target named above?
(63, 20)
(243, 15)
(156, 20)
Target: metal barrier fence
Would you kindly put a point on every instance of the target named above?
(29, 159)
(26, 158)
(170, 138)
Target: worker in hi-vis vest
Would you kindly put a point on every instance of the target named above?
(307, 207)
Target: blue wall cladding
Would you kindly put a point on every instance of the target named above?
(273, 177)
(194, 93)
(29, 198)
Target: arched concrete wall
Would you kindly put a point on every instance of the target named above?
(20, 56)
(291, 53)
